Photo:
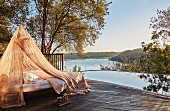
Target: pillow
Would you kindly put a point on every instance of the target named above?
(40, 73)
(29, 78)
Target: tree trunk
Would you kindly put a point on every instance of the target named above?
(48, 47)
(43, 49)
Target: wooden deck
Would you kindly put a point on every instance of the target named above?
(103, 97)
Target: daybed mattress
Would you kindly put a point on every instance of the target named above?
(38, 85)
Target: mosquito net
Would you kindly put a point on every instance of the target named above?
(23, 55)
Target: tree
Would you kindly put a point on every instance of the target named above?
(4, 23)
(161, 27)
(157, 57)
(159, 48)
(12, 13)
(67, 24)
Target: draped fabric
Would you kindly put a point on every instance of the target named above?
(23, 55)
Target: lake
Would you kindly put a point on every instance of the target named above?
(89, 67)
(87, 64)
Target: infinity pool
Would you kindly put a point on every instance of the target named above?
(122, 78)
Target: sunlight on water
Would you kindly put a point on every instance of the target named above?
(87, 64)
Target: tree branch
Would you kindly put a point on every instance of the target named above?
(49, 44)
(37, 5)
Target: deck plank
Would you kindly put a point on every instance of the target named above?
(103, 97)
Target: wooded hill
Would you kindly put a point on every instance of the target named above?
(95, 55)
(129, 55)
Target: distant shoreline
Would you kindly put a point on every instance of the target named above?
(91, 55)
(84, 58)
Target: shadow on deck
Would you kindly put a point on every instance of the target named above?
(103, 97)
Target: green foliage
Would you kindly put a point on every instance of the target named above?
(105, 67)
(4, 23)
(157, 82)
(129, 55)
(12, 13)
(96, 55)
(68, 24)
(157, 59)
(112, 66)
(76, 68)
(160, 25)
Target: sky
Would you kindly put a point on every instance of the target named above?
(127, 25)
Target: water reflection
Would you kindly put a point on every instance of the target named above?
(157, 82)
(149, 82)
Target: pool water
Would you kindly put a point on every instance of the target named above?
(122, 78)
